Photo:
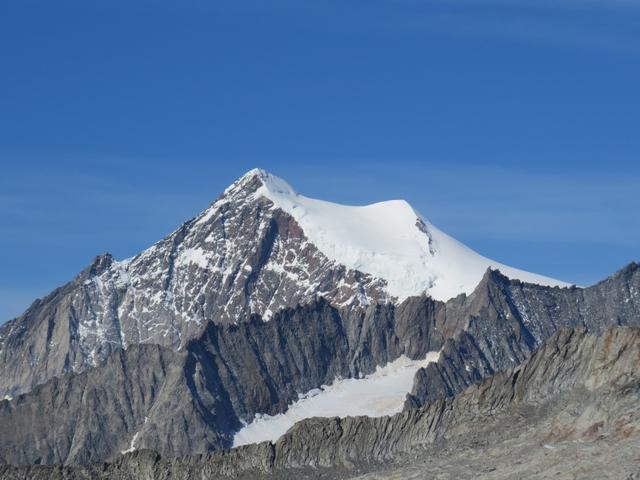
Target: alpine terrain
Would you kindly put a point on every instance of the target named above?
(276, 335)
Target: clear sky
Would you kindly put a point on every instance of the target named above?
(512, 125)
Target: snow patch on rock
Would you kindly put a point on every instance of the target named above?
(378, 394)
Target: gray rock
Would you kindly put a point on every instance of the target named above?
(231, 372)
(507, 319)
(197, 397)
(577, 389)
(85, 417)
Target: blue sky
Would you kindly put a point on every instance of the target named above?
(512, 125)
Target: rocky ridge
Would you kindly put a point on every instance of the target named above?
(509, 319)
(198, 397)
(578, 388)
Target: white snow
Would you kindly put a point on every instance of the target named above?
(134, 439)
(132, 447)
(378, 394)
(197, 256)
(391, 241)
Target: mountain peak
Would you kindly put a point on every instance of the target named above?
(273, 185)
(388, 240)
(254, 172)
(252, 176)
(260, 182)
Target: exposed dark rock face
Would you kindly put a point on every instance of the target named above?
(572, 361)
(197, 397)
(85, 417)
(577, 387)
(231, 372)
(508, 319)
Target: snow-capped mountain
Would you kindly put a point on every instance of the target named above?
(266, 309)
(389, 241)
(259, 248)
(262, 247)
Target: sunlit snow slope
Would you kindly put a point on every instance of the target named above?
(376, 395)
(389, 240)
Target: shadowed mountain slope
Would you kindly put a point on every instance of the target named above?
(578, 389)
(193, 401)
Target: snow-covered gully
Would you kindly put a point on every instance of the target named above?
(378, 394)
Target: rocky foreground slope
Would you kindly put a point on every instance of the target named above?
(192, 401)
(560, 413)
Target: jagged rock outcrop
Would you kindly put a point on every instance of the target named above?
(508, 319)
(577, 387)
